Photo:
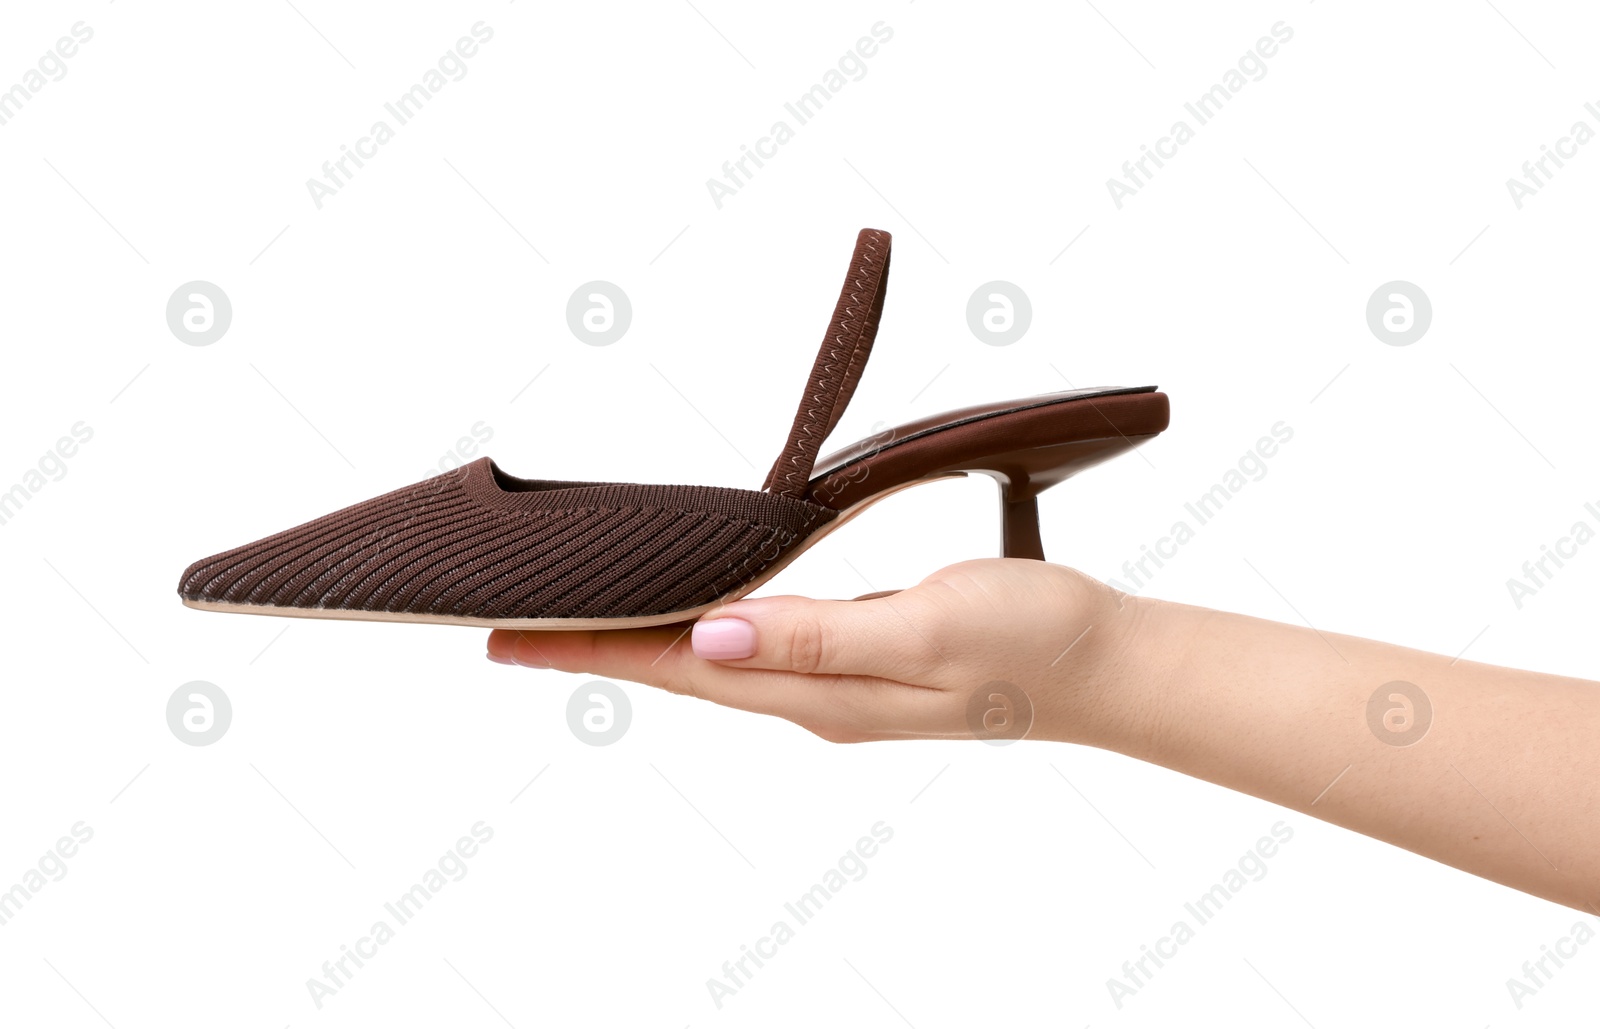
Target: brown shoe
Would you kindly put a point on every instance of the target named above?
(479, 547)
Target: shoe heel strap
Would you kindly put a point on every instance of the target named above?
(838, 367)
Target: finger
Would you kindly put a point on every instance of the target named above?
(638, 655)
(891, 637)
(661, 657)
(837, 707)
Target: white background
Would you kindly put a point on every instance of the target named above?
(369, 335)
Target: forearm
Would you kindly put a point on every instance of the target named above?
(1502, 779)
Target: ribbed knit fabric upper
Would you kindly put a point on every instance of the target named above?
(478, 543)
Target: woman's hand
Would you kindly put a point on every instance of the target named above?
(1036, 644)
(1496, 771)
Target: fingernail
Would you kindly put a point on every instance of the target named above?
(528, 658)
(723, 639)
(499, 660)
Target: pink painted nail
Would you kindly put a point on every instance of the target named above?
(529, 657)
(723, 639)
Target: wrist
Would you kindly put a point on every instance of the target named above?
(1147, 644)
(1104, 689)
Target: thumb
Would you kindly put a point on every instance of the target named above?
(878, 636)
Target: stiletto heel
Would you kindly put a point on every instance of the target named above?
(1019, 527)
(1024, 474)
(479, 547)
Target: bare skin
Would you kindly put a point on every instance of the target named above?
(1504, 781)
